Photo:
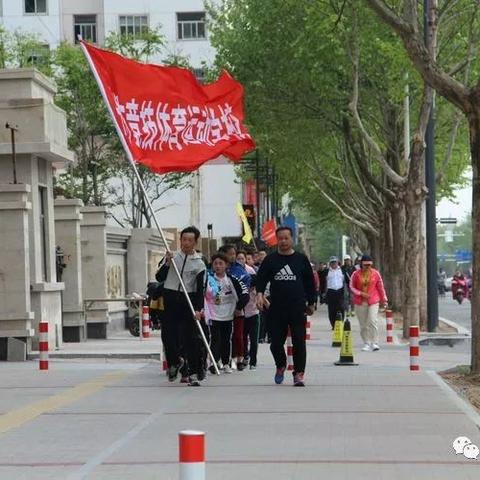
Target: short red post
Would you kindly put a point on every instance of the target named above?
(191, 455)
(164, 361)
(289, 350)
(43, 345)
(389, 316)
(308, 327)
(414, 348)
(146, 321)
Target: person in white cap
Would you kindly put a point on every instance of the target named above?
(334, 290)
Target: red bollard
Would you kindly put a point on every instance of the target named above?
(43, 345)
(289, 350)
(191, 455)
(308, 326)
(146, 322)
(389, 315)
(414, 348)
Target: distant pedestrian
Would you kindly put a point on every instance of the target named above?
(322, 271)
(252, 320)
(334, 290)
(180, 335)
(368, 291)
(348, 269)
(224, 295)
(292, 296)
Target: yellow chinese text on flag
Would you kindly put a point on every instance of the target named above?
(247, 237)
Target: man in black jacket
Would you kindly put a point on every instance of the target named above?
(292, 296)
(180, 335)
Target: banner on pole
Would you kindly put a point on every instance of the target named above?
(247, 231)
(168, 120)
(268, 232)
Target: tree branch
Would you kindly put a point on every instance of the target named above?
(431, 72)
(392, 174)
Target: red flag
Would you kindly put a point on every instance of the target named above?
(166, 119)
(268, 232)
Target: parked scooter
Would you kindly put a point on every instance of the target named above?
(154, 299)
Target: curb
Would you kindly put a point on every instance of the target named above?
(460, 330)
(73, 355)
(460, 402)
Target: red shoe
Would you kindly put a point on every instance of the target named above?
(298, 380)
(185, 380)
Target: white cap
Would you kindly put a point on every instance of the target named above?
(347, 257)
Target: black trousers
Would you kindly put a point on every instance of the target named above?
(336, 303)
(180, 334)
(250, 329)
(263, 327)
(221, 335)
(280, 318)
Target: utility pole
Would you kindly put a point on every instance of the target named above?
(13, 129)
(430, 181)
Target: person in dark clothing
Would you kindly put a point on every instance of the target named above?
(180, 335)
(292, 295)
(348, 270)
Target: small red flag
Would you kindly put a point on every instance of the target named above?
(268, 232)
(167, 120)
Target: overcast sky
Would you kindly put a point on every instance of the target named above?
(460, 208)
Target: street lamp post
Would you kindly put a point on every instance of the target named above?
(430, 181)
(13, 129)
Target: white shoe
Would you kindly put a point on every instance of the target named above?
(375, 347)
(227, 369)
(366, 348)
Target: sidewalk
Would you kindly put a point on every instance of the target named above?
(377, 420)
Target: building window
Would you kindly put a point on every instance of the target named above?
(86, 26)
(133, 25)
(191, 25)
(35, 6)
(38, 55)
(199, 74)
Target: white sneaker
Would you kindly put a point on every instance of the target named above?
(366, 348)
(375, 347)
(227, 369)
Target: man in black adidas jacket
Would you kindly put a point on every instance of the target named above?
(292, 296)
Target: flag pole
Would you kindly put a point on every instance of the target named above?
(147, 200)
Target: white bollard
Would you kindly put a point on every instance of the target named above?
(289, 351)
(308, 327)
(191, 455)
(146, 321)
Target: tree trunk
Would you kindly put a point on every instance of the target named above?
(396, 295)
(422, 272)
(411, 314)
(474, 125)
(414, 196)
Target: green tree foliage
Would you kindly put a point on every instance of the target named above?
(294, 58)
(20, 49)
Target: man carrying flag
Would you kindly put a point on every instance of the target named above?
(168, 121)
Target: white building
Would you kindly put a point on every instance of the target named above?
(215, 192)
